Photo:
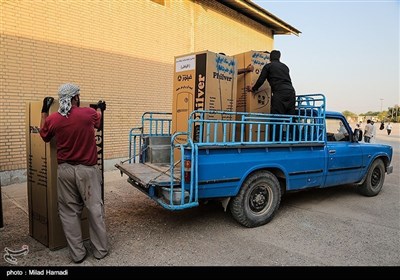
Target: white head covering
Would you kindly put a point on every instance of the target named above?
(65, 93)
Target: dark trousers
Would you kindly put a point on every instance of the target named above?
(283, 103)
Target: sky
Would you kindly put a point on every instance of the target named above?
(347, 50)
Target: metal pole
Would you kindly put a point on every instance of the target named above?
(1, 210)
(102, 153)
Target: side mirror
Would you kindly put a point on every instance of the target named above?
(357, 135)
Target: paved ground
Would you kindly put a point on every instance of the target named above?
(329, 227)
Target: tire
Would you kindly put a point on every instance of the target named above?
(375, 179)
(257, 201)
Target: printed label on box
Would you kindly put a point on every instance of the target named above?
(185, 63)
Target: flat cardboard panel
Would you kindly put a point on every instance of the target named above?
(44, 222)
(39, 214)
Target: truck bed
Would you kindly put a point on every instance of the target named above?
(149, 174)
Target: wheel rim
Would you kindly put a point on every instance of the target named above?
(376, 178)
(260, 199)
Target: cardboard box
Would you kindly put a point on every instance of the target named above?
(203, 81)
(44, 222)
(260, 102)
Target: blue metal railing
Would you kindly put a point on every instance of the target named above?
(192, 187)
(153, 124)
(237, 128)
(159, 123)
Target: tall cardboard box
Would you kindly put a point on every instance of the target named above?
(44, 222)
(203, 81)
(260, 102)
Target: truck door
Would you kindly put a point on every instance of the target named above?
(344, 156)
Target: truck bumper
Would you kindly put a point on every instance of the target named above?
(389, 169)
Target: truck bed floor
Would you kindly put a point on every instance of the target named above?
(147, 174)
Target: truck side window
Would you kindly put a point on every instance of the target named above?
(336, 131)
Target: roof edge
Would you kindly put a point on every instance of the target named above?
(257, 13)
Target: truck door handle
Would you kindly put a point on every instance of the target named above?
(332, 151)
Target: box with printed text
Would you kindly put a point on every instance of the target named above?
(260, 101)
(203, 81)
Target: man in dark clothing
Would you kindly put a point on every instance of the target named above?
(283, 98)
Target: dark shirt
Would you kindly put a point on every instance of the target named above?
(74, 134)
(277, 74)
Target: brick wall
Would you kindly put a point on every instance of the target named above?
(119, 51)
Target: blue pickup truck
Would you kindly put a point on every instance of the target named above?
(248, 161)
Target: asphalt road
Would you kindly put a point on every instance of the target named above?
(327, 227)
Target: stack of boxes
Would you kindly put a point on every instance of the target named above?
(44, 222)
(209, 81)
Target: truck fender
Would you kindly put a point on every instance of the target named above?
(275, 168)
(383, 157)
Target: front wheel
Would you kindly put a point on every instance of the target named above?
(375, 179)
(258, 200)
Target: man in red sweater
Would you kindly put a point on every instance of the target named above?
(78, 175)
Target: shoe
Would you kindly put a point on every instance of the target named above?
(100, 257)
(81, 260)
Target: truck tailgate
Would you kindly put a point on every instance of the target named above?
(147, 174)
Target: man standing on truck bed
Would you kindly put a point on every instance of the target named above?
(78, 175)
(283, 100)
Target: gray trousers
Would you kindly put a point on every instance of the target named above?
(79, 186)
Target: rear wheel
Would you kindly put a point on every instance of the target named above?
(375, 179)
(257, 201)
